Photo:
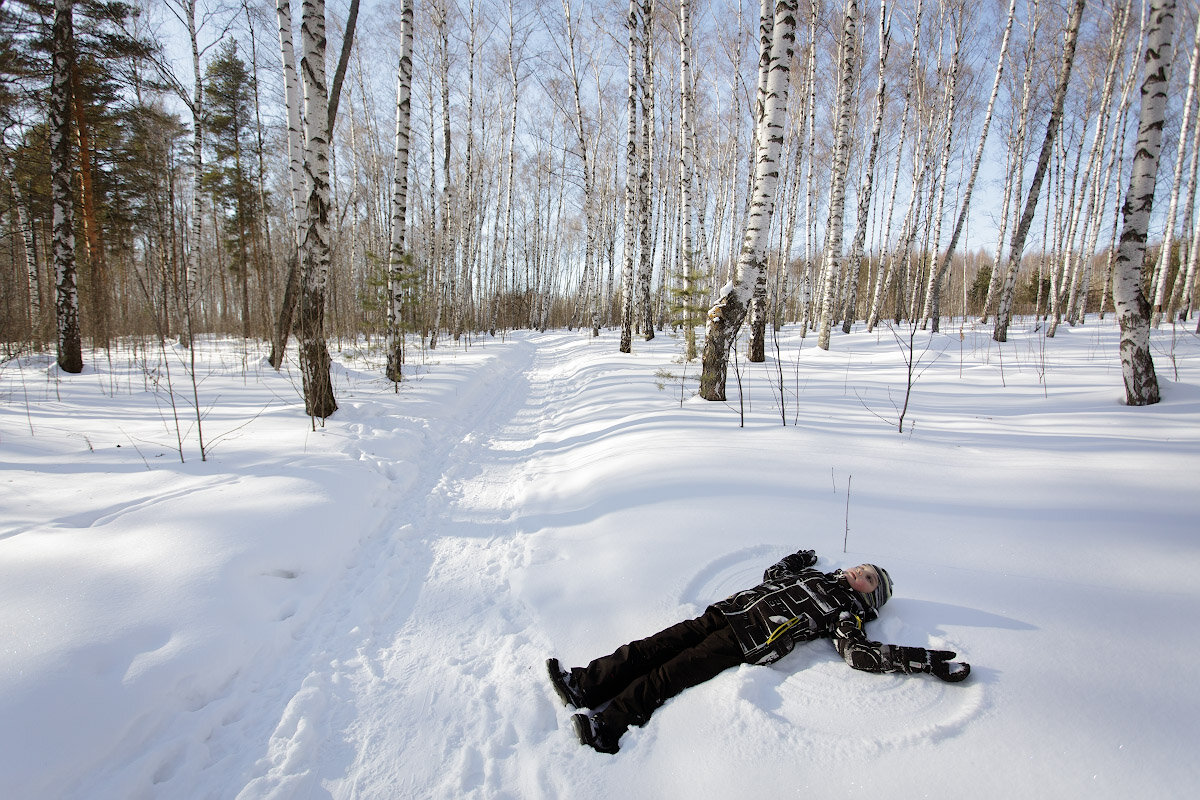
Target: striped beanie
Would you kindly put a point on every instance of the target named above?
(883, 591)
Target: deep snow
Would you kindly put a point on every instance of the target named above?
(363, 610)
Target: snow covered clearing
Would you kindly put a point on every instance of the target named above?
(362, 610)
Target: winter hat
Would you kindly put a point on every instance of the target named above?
(883, 591)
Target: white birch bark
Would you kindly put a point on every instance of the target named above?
(1133, 310)
(315, 247)
(70, 345)
(631, 168)
(1017, 245)
(645, 317)
(726, 317)
(444, 260)
(1015, 174)
(810, 199)
(581, 141)
(966, 200)
(192, 268)
(29, 245)
(866, 191)
(1103, 143)
(686, 167)
(834, 227)
(515, 87)
(758, 304)
(295, 124)
(937, 272)
(1158, 289)
(1188, 266)
(884, 276)
(295, 153)
(396, 252)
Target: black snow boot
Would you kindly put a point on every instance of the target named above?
(592, 732)
(564, 684)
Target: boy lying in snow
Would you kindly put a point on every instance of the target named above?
(794, 603)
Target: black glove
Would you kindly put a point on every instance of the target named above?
(917, 659)
(905, 659)
(938, 664)
(808, 556)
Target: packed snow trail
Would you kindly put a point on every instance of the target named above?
(423, 693)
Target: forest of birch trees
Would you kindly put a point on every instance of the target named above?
(407, 173)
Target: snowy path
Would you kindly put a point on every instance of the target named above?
(416, 684)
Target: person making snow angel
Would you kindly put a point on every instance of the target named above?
(794, 603)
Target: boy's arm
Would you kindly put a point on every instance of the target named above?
(860, 652)
(790, 565)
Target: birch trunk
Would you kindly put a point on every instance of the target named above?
(1017, 245)
(1015, 174)
(444, 260)
(1177, 292)
(315, 248)
(866, 192)
(30, 247)
(192, 269)
(686, 169)
(631, 169)
(966, 201)
(758, 305)
(1101, 145)
(511, 166)
(1164, 256)
(810, 198)
(884, 276)
(841, 164)
(396, 254)
(589, 201)
(295, 152)
(1133, 310)
(726, 317)
(70, 345)
(645, 180)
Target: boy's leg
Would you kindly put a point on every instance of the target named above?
(633, 706)
(607, 676)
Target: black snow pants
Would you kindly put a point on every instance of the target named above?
(640, 676)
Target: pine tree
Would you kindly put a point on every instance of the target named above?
(228, 178)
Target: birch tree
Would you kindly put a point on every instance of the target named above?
(295, 153)
(1017, 247)
(396, 252)
(936, 282)
(1159, 283)
(631, 167)
(884, 277)
(686, 166)
(645, 318)
(315, 247)
(867, 190)
(841, 165)
(27, 240)
(725, 318)
(581, 141)
(1132, 307)
(70, 346)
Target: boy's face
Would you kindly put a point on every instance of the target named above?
(862, 578)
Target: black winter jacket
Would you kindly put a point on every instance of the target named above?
(796, 603)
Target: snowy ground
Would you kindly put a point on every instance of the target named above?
(363, 610)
